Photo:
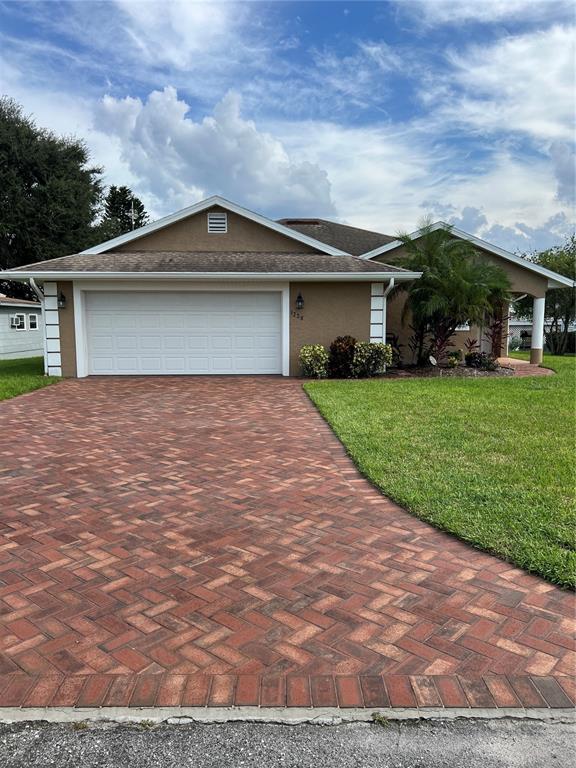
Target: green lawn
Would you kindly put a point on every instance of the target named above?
(491, 460)
(19, 376)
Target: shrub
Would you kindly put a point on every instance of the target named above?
(514, 343)
(341, 357)
(370, 358)
(482, 361)
(314, 361)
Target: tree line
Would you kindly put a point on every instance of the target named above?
(52, 199)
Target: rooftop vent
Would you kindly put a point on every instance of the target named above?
(217, 223)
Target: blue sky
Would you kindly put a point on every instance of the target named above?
(375, 114)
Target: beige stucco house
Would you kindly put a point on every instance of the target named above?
(218, 289)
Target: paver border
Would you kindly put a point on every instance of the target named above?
(341, 692)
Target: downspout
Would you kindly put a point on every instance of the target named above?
(386, 293)
(40, 295)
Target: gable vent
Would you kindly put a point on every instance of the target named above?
(217, 223)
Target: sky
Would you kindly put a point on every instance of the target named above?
(374, 114)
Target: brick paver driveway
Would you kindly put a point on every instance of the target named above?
(206, 540)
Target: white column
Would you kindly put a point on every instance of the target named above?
(537, 331)
(53, 362)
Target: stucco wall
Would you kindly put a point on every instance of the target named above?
(191, 234)
(67, 332)
(330, 310)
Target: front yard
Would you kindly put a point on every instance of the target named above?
(20, 376)
(490, 460)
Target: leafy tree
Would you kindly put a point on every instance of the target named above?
(49, 194)
(560, 307)
(123, 211)
(457, 286)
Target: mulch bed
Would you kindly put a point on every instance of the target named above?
(460, 372)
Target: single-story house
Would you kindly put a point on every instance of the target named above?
(218, 289)
(21, 328)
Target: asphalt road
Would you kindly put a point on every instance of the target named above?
(419, 744)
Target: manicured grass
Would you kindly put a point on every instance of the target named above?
(19, 376)
(491, 460)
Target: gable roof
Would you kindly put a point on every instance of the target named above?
(350, 239)
(210, 202)
(555, 280)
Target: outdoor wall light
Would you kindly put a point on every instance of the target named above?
(61, 301)
(299, 302)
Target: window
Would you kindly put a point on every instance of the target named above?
(18, 322)
(32, 322)
(217, 223)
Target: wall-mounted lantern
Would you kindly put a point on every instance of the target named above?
(299, 302)
(61, 301)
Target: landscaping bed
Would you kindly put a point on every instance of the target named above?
(459, 372)
(492, 462)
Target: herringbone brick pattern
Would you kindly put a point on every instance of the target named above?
(207, 540)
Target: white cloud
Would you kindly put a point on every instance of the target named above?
(179, 160)
(523, 84)
(439, 12)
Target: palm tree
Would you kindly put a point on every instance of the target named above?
(457, 286)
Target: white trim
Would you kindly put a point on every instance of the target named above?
(81, 288)
(286, 330)
(555, 280)
(202, 206)
(52, 356)
(13, 319)
(299, 276)
(377, 312)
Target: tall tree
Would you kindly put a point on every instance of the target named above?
(123, 211)
(560, 307)
(457, 286)
(49, 193)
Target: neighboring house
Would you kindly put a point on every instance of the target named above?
(218, 289)
(21, 328)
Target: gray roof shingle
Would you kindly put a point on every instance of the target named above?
(207, 261)
(350, 239)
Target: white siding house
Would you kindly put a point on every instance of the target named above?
(21, 328)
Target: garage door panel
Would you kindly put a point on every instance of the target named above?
(164, 333)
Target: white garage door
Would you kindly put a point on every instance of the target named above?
(163, 333)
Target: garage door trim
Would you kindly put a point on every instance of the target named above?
(80, 288)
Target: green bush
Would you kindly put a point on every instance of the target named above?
(370, 359)
(341, 357)
(314, 361)
(514, 344)
(482, 361)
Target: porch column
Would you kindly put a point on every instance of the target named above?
(537, 345)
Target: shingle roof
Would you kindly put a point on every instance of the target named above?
(350, 239)
(8, 301)
(207, 261)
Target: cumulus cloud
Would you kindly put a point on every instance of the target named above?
(181, 160)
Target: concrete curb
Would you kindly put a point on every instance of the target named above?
(278, 715)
